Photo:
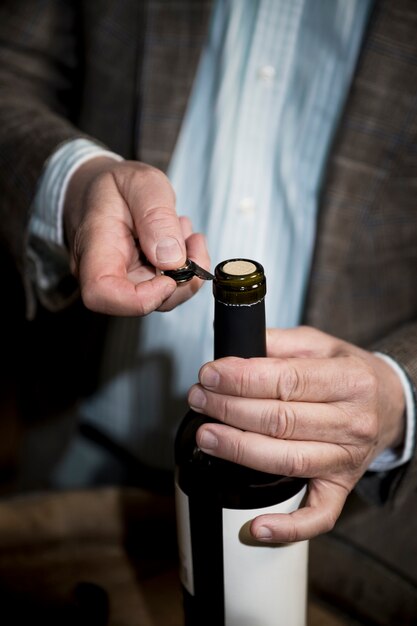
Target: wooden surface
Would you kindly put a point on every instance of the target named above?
(121, 541)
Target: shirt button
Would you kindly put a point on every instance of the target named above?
(267, 73)
(247, 206)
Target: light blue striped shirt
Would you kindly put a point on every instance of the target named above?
(247, 169)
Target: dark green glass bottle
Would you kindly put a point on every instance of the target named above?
(228, 579)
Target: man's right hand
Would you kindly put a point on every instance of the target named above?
(120, 224)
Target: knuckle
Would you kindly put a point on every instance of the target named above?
(365, 381)
(293, 533)
(243, 378)
(144, 308)
(225, 412)
(141, 172)
(297, 464)
(152, 178)
(290, 383)
(371, 383)
(278, 421)
(286, 420)
(269, 422)
(155, 175)
(354, 456)
(238, 450)
(158, 217)
(365, 428)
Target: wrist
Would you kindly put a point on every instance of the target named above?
(395, 457)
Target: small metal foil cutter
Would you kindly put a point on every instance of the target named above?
(187, 271)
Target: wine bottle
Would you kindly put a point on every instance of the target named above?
(228, 578)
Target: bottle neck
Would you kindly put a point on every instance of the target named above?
(239, 330)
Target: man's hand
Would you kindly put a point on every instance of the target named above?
(121, 224)
(316, 407)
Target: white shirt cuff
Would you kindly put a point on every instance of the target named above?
(391, 458)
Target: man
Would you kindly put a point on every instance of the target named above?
(361, 285)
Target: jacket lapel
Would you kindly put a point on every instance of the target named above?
(362, 282)
(175, 33)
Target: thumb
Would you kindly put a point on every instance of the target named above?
(151, 201)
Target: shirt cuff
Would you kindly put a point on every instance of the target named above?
(46, 252)
(391, 458)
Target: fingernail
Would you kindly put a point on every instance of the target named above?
(208, 440)
(209, 377)
(197, 398)
(168, 250)
(263, 533)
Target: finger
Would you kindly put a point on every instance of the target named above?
(186, 227)
(112, 295)
(151, 200)
(303, 341)
(108, 287)
(276, 456)
(281, 420)
(322, 508)
(304, 379)
(197, 251)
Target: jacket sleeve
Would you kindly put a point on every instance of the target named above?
(39, 82)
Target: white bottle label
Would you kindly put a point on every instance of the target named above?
(264, 585)
(184, 539)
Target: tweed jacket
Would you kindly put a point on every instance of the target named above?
(121, 72)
